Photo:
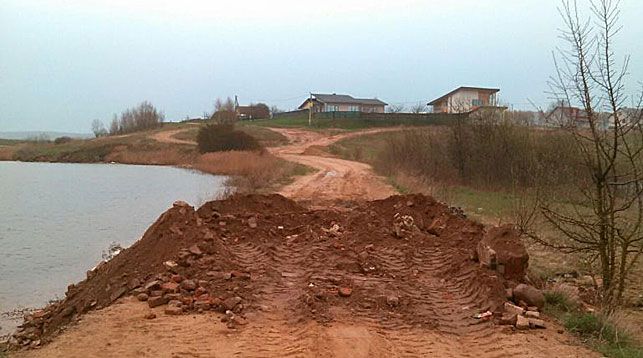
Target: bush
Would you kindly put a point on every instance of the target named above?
(62, 140)
(557, 301)
(224, 137)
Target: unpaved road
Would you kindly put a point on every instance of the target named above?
(416, 271)
(335, 179)
(168, 137)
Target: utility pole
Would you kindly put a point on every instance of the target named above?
(310, 110)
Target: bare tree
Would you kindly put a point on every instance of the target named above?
(418, 108)
(395, 108)
(275, 110)
(602, 217)
(98, 128)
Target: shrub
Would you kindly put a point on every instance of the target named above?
(62, 140)
(558, 301)
(224, 137)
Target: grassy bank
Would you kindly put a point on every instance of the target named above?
(606, 334)
(252, 171)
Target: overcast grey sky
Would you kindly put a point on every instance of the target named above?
(65, 63)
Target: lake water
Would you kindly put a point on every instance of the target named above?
(56, 220)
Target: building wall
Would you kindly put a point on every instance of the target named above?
(462, 101)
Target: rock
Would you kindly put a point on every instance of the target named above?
(173, 296)
(532, 314)
(202, 305)
(177, 278)
(170, 265)
(231, 302)
(200, 291)
(117, 294)
(522, 323)
(180, 203)
(157, 301)
(536, 323)
(487, 256)
(392, 300)
(153, 285)
(189, 285)
(241, 275)
(509, 294)
(508, 319)
(175, 303)
(173, 310)
(345, 291)
(532, 308)
(501, 249)
(156, 293)
(133, 283)
(252, 222)
(68, 311)
(530, 295)
(195, 250)
(150, 315)
(510, 308)
(142, 297)
(170, 287)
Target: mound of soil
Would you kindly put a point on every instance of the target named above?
(403, 261)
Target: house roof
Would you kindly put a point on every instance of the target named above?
(571, 112)
(344, 98)
(491, 90)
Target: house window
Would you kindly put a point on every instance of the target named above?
(331, 108)
(476, 102)
(353, 108)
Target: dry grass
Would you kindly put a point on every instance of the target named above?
(251, 171)
(7, 152)
(165, 156)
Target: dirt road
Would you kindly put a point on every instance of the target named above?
(168, 137)
(296, 265)
(336, 179)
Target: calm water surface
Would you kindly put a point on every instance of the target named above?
(56, 220)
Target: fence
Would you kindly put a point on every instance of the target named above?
(403, 118)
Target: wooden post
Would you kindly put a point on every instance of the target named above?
(310, 111)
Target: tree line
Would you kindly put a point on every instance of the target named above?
(144, 116)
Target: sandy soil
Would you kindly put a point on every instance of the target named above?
(121, 331)
(442, 327)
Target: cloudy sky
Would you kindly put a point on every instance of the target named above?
(64, 63)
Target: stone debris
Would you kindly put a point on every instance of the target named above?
(532, 314)
(392, 300)
(252, 222)
(536, 323)
(345, 291)
(530, 295)
(403, 225)
(522, 323)
(525, 315)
